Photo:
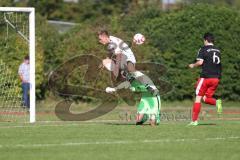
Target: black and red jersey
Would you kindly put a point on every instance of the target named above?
(211, 56)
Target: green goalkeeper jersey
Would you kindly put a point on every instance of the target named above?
(150, 103)
(137, 86)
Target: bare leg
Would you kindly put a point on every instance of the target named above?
(198, 99)
(117, 65)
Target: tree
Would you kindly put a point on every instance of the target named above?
(178, 35)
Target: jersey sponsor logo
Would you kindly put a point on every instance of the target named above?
(213, 50)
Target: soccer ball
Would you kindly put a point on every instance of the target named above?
(138, 39)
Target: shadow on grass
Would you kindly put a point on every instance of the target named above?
(207, 124)
(125, 124)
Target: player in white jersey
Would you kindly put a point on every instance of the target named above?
(124, 57)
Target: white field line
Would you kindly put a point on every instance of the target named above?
(62, 123)
(116, 142)
(65, 123)
(3, 125)
(58, 123)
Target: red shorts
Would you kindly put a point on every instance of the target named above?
(206, 86)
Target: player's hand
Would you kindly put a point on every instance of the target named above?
(110, 90)
(191, 65)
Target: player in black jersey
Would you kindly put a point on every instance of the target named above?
(209, 58)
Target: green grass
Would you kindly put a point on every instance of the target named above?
(113, 137)
(218, 140)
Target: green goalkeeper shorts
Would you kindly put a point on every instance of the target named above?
(150, 106)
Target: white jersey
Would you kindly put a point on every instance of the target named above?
(121, 47)
(24, 71)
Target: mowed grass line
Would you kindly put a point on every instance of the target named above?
(213, 140)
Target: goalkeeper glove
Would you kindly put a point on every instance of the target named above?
(110, 90)
(133, 89)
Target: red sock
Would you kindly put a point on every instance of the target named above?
(195, 111)
(210, 101)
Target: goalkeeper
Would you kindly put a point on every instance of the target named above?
(150, 104)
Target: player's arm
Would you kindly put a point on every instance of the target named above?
(127, 84)
(123, 85)
(199, 60)
(139, 88)
(21, 77)
(198, 63)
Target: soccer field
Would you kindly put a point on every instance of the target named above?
(116, 141)
(77, 76)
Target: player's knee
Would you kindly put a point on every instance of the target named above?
(131, 67)
(198, 99)
(204, 98)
